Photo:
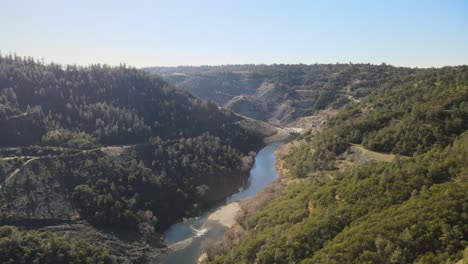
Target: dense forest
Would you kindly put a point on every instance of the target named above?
(26, 247)
(120, 149)
(123, 192)
(114, 146)
(115, 105)
(410, 210)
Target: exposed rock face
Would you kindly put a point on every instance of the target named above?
(248, 106)
(278, 94)
(270, 102)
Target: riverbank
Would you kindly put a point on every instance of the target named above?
(232, 214)
(271, 190)
(188, 239)
(226, 215)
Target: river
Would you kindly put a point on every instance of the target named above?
(188, 238)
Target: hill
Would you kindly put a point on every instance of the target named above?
(282, 93)
(112, 150)
(410, 208)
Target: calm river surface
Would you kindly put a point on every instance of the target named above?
(189, 237)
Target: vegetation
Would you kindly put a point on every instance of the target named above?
(66, 138)
(406, 119)
(128, 106)
(114, 105)
(132, 190)
(42, 247)
(266, 89)
(410, 210)
(110, 145)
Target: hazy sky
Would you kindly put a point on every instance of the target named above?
(147, 33)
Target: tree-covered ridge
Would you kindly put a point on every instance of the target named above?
(428, 228)
(360, 215)
(170, 152)
(411, 210)
(125, 193)
(115, 105)
(186, 160)
(24, 247)
(315, 75)
(405, 119)
(432, 109)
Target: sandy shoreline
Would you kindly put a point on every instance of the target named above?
(226, 215)
(230, 214)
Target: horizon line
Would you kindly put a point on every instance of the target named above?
(45, 61)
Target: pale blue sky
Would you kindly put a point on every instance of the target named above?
(147, 33)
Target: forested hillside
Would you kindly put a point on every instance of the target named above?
(42, 247)
(112, 146)
(115, 105)
(409, 210)
(123, 153)
(281, 93)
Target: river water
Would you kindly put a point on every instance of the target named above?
(188, 238)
